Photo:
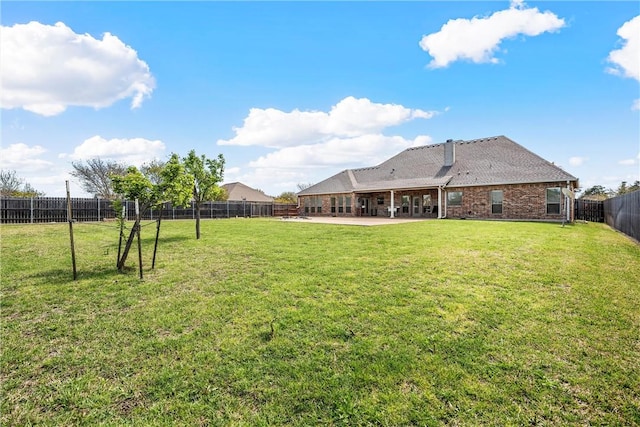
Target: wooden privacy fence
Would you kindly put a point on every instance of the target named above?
(623, 213)
(589, 210)
(15, 210)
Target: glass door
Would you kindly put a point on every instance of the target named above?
(417, 205)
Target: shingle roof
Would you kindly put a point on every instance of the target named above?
(488, 161)
(237, 191)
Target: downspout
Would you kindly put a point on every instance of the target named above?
(442, 204)
(568, 203)
(393, 209)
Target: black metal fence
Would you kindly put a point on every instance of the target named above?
(54, 209)
(623, 213)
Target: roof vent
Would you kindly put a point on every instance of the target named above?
(449, 153)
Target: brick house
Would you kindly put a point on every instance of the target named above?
(489, 178)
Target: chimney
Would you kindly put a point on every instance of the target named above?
(449, 152)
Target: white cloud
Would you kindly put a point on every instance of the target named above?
(577, 161)
(365, 150)
(350, 117)
(46, 68)
(479, 38)
(628, 162)
(309, 146)
(626, 60)
(23, 157)
(636, 105)
(132, 151)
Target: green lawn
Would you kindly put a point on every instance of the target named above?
(267, 322)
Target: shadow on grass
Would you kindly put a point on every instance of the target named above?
(60, 276)
(162, 240)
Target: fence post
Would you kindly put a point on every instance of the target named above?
(98, 209)
(70, 220)
(31, 210)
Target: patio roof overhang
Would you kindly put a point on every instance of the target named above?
(401, 184)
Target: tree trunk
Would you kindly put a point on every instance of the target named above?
(155, 247)
(125, 254)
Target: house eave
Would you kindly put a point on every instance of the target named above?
(501, 183)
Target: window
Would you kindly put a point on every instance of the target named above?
(333, 205)
(380, 200)
(313, 204)
(454, 198)
(307, 202)
(405, 204)
(426, 203)
(496, 201)
(347, 204)
(340, 206)
(553, 200)
(319, 204)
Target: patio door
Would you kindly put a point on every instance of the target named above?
(365, 206)
(417, 205)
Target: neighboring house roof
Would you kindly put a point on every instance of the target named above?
(237, 191)
(489, 161)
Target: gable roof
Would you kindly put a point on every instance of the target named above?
(488, 161)
(237, 191)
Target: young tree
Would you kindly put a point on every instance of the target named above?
(207, 174)
(96, 176)
(13, 186)
(174, 185)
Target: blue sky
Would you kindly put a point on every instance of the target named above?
(294, 92)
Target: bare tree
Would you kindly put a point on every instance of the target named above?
(95, 176)
(13, 186)
(153, 170)
(304, 185)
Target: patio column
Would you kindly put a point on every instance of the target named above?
(393, 209)
(439, 202)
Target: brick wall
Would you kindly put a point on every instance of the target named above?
(522, 201)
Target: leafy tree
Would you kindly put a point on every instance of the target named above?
(597, 192)
(174, 185)
(13, 186)
(96, 176)
(207, 174)
(287, 197)
(622, 188)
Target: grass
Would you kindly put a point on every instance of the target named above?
(266, 322)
